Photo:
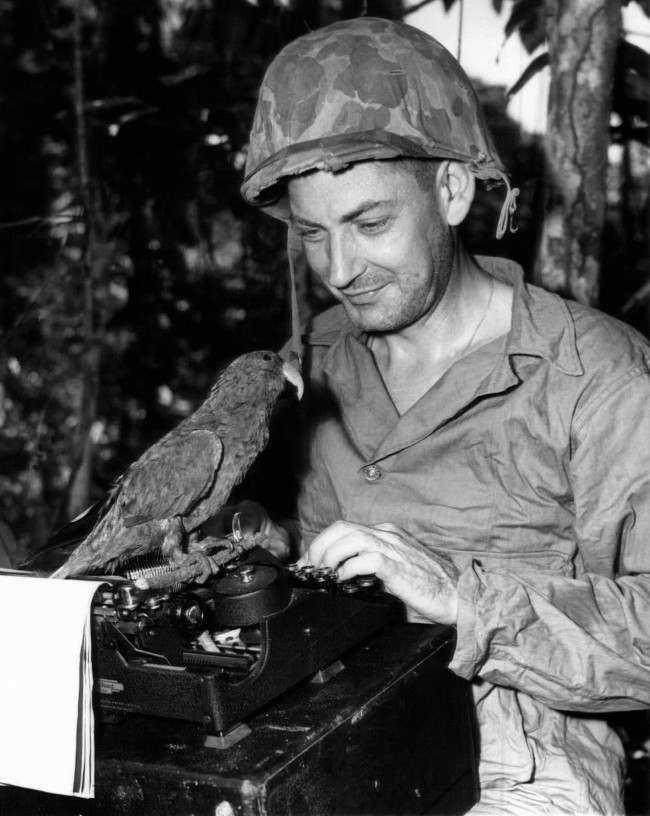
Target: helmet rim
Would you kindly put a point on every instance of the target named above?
(262, 186)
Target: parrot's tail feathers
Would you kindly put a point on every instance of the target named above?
(81, 564)
(75, 531)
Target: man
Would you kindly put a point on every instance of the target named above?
(481, 445)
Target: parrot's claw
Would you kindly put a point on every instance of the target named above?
(208, 544)
(237, 533)
(205, 559)
(206, 566)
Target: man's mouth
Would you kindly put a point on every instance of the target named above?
(362, 295)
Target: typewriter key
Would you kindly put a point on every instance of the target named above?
(366, 581)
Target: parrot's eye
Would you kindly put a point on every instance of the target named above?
(267, 357)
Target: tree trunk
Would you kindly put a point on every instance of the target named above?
(583, 36)
(79, 488)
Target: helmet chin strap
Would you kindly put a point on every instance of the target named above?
(294, 249)
(508, 210)
(506, 221)
(486, 170)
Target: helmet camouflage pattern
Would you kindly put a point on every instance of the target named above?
(359, 90)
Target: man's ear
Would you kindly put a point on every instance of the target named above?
(456, 187)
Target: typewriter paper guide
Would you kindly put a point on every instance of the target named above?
(46, 715)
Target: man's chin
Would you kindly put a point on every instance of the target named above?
(370, 318)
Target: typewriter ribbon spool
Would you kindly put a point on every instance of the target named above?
(246, 594)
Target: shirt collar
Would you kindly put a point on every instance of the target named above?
(542, 325)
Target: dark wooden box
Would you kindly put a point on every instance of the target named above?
(392, 733)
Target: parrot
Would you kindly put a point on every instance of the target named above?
(187, 476)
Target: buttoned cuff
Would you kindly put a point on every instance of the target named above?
(469, 655)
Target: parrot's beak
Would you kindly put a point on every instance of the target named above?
(292, 375)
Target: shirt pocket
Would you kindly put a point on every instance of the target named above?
(549, 561)
(443, 489)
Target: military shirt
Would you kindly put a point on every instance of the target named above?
(528, 463)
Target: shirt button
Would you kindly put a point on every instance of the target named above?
(372, 472)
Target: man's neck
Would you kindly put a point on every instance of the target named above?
(474, 310)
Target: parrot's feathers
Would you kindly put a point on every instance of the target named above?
(187, 476)
(171, 483)
(133, 521)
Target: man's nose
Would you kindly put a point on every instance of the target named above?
(341, 261)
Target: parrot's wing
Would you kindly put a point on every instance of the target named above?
(171, 482)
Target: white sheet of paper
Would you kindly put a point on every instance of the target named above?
(46, 684)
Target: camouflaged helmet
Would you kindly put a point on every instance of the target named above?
(358, 90)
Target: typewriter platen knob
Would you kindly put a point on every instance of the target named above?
(186, 613)
(193, 614)
(128, 596)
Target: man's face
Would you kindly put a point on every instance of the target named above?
(376, 239)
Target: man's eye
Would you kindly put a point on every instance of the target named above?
(377, 225)
(310, 233)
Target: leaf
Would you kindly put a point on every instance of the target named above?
(527, 18)
(411, 9)
(640, 297)
(185, 74)
(30, 62)
(630, 100)
(631, 57)
(533, 67)
(520, 12)
(112, 102)
(637, 89)
(533, 31)
(631, 94)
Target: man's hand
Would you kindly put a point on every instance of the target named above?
(424, 580)
(253, 518)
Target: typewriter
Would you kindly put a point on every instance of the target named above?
(217, 652)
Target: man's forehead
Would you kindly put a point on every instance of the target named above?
(365, 183)
(364, 179)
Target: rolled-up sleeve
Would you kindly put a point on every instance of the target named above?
(582, 643)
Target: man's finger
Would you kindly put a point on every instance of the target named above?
(389, 527)
(351, 544)
(331, 535)
(365, 563)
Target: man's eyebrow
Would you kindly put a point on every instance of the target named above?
(363, 208)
